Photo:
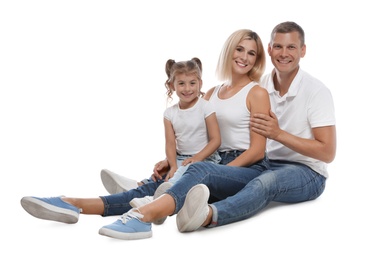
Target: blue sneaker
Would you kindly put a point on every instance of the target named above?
(53, 208)
(128, 227)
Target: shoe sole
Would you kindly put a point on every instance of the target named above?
(42, 210)
(124, 236)
(110, 183)
(115, 183)
(188, 221)
(159, 191)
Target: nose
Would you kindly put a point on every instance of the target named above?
(186, 87)
(244, 56)
(283, 52)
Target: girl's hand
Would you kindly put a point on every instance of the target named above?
(170, 174)
(190, 160)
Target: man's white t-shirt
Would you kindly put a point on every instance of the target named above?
(307, 104)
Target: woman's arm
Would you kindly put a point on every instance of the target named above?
(257, 102)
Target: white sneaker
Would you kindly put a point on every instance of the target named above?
(138, 202)
(115, 183)
(195, 209)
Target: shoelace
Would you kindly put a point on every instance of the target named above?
(132, 214)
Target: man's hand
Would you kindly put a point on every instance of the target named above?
(265, 125)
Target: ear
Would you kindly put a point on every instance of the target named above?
(269, 49)
(303, 51)
(171, 86)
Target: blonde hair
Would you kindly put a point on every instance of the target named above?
(224, 66)
(172, 69)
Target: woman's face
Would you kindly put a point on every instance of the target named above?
(244, 56)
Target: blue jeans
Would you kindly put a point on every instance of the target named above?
(243, 192)
(214, 158)
(117, 204)
(286, 182)
(222, 180)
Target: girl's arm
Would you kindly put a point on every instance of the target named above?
(170, 145)
(214, 140)
(257, 102)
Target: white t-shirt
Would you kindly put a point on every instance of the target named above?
(190, 126)
(308, 104)
(233, 117)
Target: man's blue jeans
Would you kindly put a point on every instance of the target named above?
(286, 182)
(243, 192)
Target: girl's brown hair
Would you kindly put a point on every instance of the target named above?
(172, 68)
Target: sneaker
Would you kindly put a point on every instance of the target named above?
(53, 208)
(139, 202)
(159, 191)
(128, 227)
(115, 183)
(195, 209)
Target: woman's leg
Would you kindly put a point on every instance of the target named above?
(223, 181)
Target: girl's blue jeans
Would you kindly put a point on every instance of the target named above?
(118, 204)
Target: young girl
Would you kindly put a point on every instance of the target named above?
(192, 135)
(191, 129)
(186, 123)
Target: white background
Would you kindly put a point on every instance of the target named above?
(82, 89)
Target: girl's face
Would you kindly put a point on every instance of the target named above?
(187, 88)
(244, 57)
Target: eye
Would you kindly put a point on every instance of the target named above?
(239, 49)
